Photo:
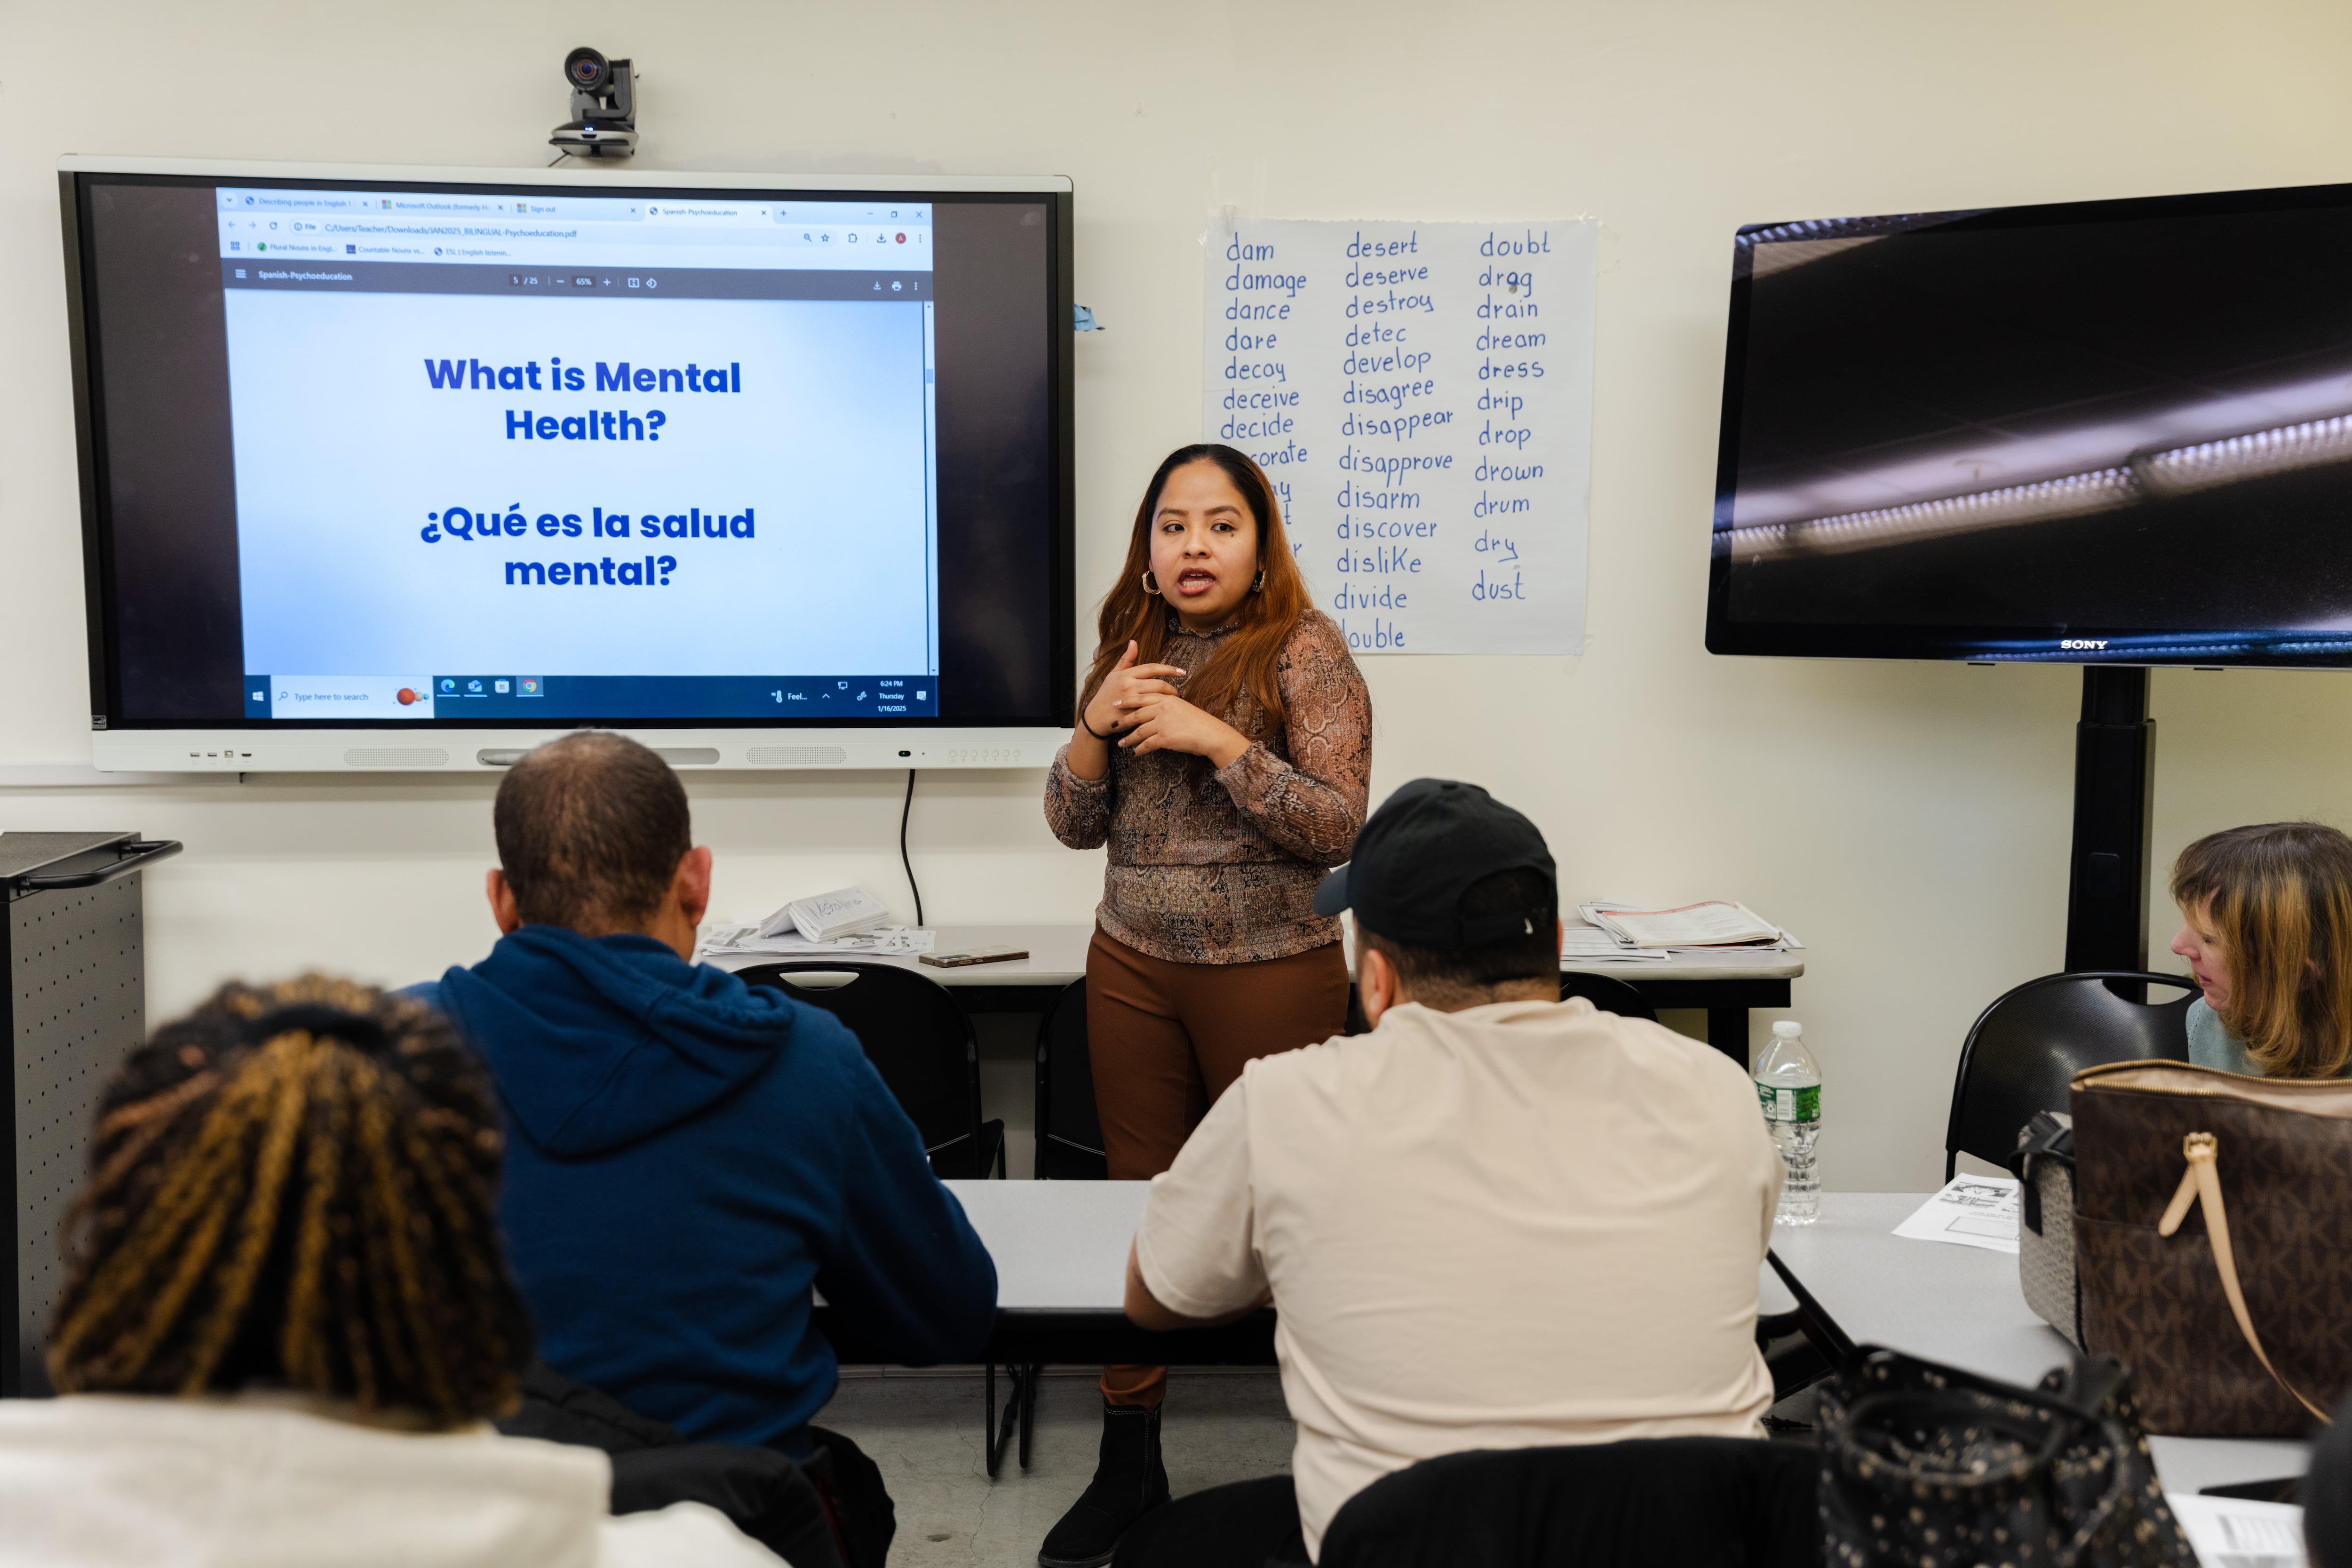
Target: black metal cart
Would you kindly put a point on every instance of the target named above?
(75, 1004)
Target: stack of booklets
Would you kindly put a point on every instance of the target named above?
(847, 919)
(1718, 923)
(828, 917)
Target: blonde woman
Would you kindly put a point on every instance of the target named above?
(2267, 932)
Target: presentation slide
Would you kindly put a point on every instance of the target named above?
(495, 489)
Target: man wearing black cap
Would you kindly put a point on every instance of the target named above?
(1497, 1221)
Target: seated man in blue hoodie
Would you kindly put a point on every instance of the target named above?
(687, 1156)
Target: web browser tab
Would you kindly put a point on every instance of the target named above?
(564, 236)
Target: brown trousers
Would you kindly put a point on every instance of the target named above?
(1165, 1039)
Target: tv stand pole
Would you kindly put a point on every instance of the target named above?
(2114, 777)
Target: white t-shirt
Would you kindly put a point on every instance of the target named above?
(1516, 1226)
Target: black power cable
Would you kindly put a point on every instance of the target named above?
(904, 812)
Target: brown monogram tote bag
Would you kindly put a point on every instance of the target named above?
(2213, 1243)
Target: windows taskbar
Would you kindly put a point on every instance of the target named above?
(544, 699)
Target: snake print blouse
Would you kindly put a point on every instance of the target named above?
(1214, 865)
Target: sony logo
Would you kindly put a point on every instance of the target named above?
(2083, 644)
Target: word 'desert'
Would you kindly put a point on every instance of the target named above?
(1409, 387)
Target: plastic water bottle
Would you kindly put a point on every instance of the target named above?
(1788, 1086)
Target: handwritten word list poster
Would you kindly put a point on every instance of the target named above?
(1421, 394)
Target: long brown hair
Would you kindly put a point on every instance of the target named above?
(297, 1184)
(1246, 661)
(2279, 895)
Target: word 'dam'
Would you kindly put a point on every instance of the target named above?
(1420, 396)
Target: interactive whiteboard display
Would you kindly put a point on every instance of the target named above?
(513, 452)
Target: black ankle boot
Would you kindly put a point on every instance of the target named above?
(1130, 1481)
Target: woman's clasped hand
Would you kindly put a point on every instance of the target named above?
(1140, 706)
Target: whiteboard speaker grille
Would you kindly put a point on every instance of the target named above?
(395, 757)
(796, 756)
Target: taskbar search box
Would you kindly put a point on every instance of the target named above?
(338, 697)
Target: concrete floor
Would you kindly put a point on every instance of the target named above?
(925, 1432)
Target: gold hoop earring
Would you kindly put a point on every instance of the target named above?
(1150, 585)
(1259, 586)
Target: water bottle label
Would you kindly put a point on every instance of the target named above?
(1798, 1105)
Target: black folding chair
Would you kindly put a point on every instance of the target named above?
(1606, 992)
(1731, 1503)
(2025, 1050)
(1069, 1134)
(918, 1041)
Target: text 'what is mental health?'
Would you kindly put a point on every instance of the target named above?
(590, 424)
(696, 487)
(1420, 394)
(494, 525)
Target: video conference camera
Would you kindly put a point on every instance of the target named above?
(603, 107)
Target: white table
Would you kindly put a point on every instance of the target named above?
(1061, 1266)
(1060, 1249)
(1057, 956)
(1726, 984)
(1962, 1306)
(1059, 1246)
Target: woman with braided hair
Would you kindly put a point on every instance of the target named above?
(289, 1317)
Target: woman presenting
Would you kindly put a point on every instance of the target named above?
(1223, 748)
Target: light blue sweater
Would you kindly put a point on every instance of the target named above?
(2211, 1043)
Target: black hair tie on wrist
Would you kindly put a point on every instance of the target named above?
(1090, 729)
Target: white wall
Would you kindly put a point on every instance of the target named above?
(1909, 820)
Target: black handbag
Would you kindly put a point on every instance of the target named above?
(1925, 1465)
(2044, 1166)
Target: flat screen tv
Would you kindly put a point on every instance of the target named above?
(2113, 431)
(414, 468)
